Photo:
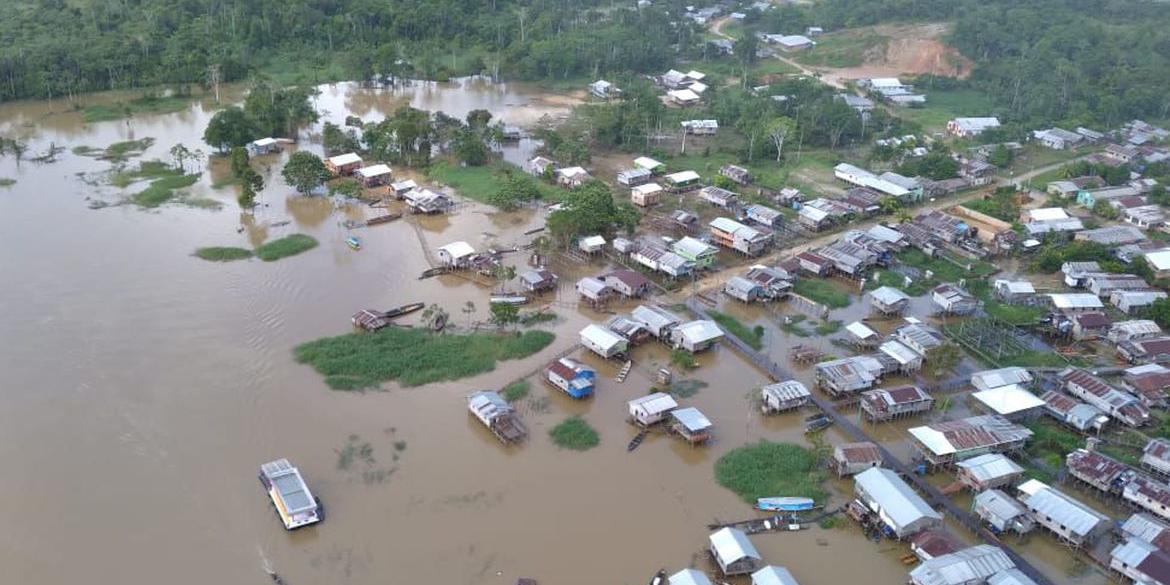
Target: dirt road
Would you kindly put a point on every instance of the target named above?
(831, 80)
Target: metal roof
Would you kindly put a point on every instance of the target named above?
(348, 158)
(1145, 527)
(647, 163)
(654, 316)
(897, 350)
(741, 284)
(888, 295)
(1012, 576)
(859, 330)
(1075, 301)
(692, 419)
(682, 176)
(458, 249)
(601, 336)
(688, 577)
(999, 504)
(290, 485)
(693, 247)
(990, 466)
(655, 403)
(1008, 399)
(773, 575)
(1068, 512)
(647, 188)
(898, 502)
(787, 390)
(969, 565)
(374, 171)
(699, 331)
(731, 544)
(974, 432)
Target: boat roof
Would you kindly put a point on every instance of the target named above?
(289, 485)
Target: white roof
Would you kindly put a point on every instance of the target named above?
(970, 565)
(458, 249)
(682, 176)
(1009, 376)
(654, 316)
(348, 158)
(1016, 286)
(1008, 399)
(976, 124)
(264, 142)
(786, 390)
(647, 188)
(571, 172)
(773, 575)
(885, 82)
(1159, 260)
(1066, 511)
(593, 241)
(602, 336)
(1048, 214)
(1076, 301)
(860, 330)
(404, 185)
(696, 75)
(700, 331)
(691, 418)
(646, 162)
(688, 577)
(655, 403)
(898, 502)
(897, 350)
(732, 544)
(374, 171)
(990, 466)
(888, 295)
(693, 246)
(885, 234)
(813, 213)
(683, 95)
(697, 87)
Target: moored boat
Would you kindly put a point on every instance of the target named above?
(785, 504)
(353, 242)
(508, 299)
(403, 310)
(294, 503)
(389, 217)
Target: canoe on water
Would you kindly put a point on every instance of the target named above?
(353, 243)
(403, 310)
(785, 504)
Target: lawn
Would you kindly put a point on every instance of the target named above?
(575, 434)
(822, 291)
(223, 253)
(844, 49)
(768, 469)
(943, 105)
(413, 356)
(284, 247)
(480, 183)
(753, 337)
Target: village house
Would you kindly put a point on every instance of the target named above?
(1113, 235)
(1140, 561)
(263, 146)
(1103, 284)
(861, 336)
(848, 375)
(1133, 301)
(736, 236)
(791, 43)
(885, 404)
(1081, 416)
(988, 471)
(1146, 217)
(343, 164)
(628, 283)
(427, 202)
(686, 576)
(1133, 330)
(952, 300)
(682, 181)
(658, 321)
(1090, 197)
(935, 542)
(1014, 291)
(1000, 378)
(719, 197)
(888, 300)
(896, 504)
(736, 173)
(700, 127)
(919, 337)
(633, 177)
(1159, 262)
(1149, 495)
(1073, 303)
(1076, 273)
(401, 188)
(948, 442)
(1093, 390)
(862, 105)
(814, 263)
(1145, 527)
(1070, 187)
(603, 342)
(1011, 402)
(604, 89)
(571, 177)
(1149, 382)
(900, 359)
(651, 409)
(696, 336)
(646, 195)
(859, 201)
(863, 178)
(1088, 326)
(683, 97)
(594, 290)
(1098, 471)
(456, 255)
(374, 175)
(1067, 518)
(971, 566)
(571, 377)
(1156, 457)
(1144, 350)
(776, 283)
(695, 251)
(813, 218)
(633, 331)
(763, 215)
(853, 458)
(691, 424)
(784, 396)
(649, 164)
(1121, 154)
(538, 280)
(849, 259)
(1001, 512)
(971, 127)
(1057, 138)
(540, 166)
(773, 575)
(742, 289)
(734, 552)
(662, 260)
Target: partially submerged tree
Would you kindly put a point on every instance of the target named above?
(305, 171)
(229, 128)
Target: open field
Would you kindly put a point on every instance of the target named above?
(941, 106)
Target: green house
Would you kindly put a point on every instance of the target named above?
(699, 252)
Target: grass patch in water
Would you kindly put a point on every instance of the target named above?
(153, 169)
(823, 292)
(6, 182)
(828, 327)
(148, 104)
(162, 190)
(118, 151)
(516, 390)
(536, 317)
(753, 337)
(223, 253)
(682, 388)
(285, 247)
(767, 469)
(791, 325)
(413, 356)
(575, 434)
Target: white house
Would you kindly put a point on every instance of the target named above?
(696, 336)
(602, 341)
(968, 127)
(651, 409)
(456, 254)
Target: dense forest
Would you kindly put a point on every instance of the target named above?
(57, 47)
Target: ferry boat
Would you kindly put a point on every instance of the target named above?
(292, 499)
(785, 504)
(354, 243)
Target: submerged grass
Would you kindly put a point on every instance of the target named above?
(823, 292)
(575, 434)
(148, 104)
(516, 390)
(162, 190)
(413, 356)
(153, 169)
(828, 327)
(223, 253)
(7, 182)
(285, 247)
(482, 182)
(118, 151)
(752, 337)
(767, 469)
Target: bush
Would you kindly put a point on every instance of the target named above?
(575, 434)
(285, 247)
(223, 254)
(752, 337)
(767, 469)
(516, 390)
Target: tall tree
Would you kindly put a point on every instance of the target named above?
(305, 171)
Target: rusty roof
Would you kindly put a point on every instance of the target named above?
(862, 452)
(1094, 466)
(1058, 402)
(935, 543)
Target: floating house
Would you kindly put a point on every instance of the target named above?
(374, 175)
(633, 331)
(690, 424)
(497, 415)
(734, 552)
(658, 321)
(294, 503)
(571, 377)
(888, 301)
(1001, 512)
(948, 442)
(426, 201)
(456, 255)
(736, 236)
(538, 280)
(885, 404)
(1070, 520)
(651, 409)
(603, 342)
(899, 508)
(646, 195)
(853, 458)
(783, 396)
(773, 575)
(988, 471)
(696, 336)
(970, 566)
(343, 164)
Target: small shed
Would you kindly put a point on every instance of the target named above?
(633, 177)
(740, 288)
(783, 396)
(688, 577)
(571, 377)
(572, 177)
(343, 164)
(646, 195)
(853, 458)
(540, 166)
(538, 280)
(734, 552)
(696, 336)
(591, 244)
(456, 254)
(374, 175)
(691, 425)
(888, 300)
(987, 471)
(651, 409)
(736, 173)
(773, 575)
(263, 146)
(603, 342)
(1002, 512)
(401, 188)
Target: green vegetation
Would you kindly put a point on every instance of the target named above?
(1056, 252)
(516, 390)
(153, 169)
(944, 269)
(682, 388)
(767, 469)
(1003, 204)
(683, 359)
(828, 327)
(943, 105)
(7, 182)
(147, 104)
(535, 318)
(117, 152)
(162, 190)
(791, 325)
(290, 245)
(591, 209)
(223, 254)
(822, 291)
(486, 183)
(575, 434)
(752, 337)
(845, 49)
(413, 356)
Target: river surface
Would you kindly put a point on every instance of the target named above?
(142, 388)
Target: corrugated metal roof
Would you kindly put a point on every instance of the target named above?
(990, 466)
(902, 354)
(989, 379)
(654, 316)
(1011, 576)
(860, 330)
(787, 390)
(1000, 504)
(1075, 301)
(898, 502)
(888, 295)
(655, 403)
(1008, 399)
(1064, 510)
(601, 336)
(969, 565)
(974, 432)
(1145, 527)
(773, 575)
(688, 577)
(700, 331)
(691, 418)
(732, 544)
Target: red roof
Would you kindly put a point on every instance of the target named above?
(1094, 466)
(1093, 320)
(630, 278)
(935, 543)
(863, 452)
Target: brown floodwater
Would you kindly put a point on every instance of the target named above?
(143, 387)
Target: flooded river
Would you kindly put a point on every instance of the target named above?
(143, 387)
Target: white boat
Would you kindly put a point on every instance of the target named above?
(292, 499)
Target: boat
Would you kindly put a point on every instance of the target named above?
(294, 503)
(353, 242)
(434, 272)
(659, 578)
(508, 299)
(818, 425)
(497, 415)
(403, 310)
(389, 217)
(785, 504)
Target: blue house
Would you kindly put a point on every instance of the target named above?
(572, 377)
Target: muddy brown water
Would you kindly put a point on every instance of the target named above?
(143, 387)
